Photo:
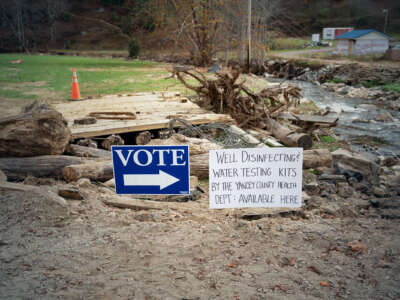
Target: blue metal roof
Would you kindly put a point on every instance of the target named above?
(355, 34)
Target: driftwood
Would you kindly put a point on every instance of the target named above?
(226, 94)
(288, 136)
(37, 130)
(97, 171)
(82, 151)
(17, 168)
(196, 145)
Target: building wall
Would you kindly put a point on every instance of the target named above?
(370, 46)
(342, 47)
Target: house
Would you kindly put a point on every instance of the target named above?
(332, 33)
(359, 42)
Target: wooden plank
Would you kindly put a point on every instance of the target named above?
(118, 127)
(328, 119)
(156, 111)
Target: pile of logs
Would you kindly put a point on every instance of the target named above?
(227, 94)
(41, 148)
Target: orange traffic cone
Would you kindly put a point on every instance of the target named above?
(76, 94)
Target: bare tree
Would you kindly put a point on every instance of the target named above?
(12, 15)
(54, 8)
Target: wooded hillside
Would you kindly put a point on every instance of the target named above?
(197, 26)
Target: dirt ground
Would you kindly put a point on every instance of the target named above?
(87, 250)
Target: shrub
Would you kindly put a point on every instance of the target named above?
(134, 48)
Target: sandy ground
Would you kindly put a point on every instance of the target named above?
(87, 250)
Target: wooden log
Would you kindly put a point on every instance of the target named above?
(317, 158)
(37, 130)
(287, 136)
(311, 159)
(247, 137)
(17, 168)
(199, 165)
(82, 151)
(97, 171)
(265, 137)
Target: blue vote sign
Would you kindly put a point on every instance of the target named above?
(157, 170)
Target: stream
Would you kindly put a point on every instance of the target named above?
(378, 138)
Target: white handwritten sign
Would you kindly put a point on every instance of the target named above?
(256, 177)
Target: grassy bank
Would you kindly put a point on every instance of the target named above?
(49, 77)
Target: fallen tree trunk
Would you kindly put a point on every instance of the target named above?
(97, 171)
(82, 151)
(37, 130)
(17, 168)
(287, 136)
(199, 165)
(103, 171)
(311, 159)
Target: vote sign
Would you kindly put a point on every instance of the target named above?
(157, 170)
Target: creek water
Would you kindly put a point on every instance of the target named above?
(378, 138)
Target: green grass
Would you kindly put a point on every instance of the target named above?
(336, 80)
(395, 87)
(41, 74)
(327, 139)
(288, 43)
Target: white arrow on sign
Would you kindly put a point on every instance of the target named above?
(162, 179)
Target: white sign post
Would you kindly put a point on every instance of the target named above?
(256, 177)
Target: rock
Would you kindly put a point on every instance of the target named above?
(70, 193)
(394, 181)
(146, 217)
(379, 192)
(344, 190)
(356, 165)
(343, 91)
(333, 178)
(112, 140)
(312, 188)
(386, 117)
(143, 138)
(358, 93)
(83, 182)
(327, 188)
(3, 176)
(359, 120)
(37, 130)
(87, 143)
(390, 161)
(357, 246)
(314, 202)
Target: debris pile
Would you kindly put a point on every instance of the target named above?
(228, 94)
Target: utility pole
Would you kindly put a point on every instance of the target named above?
(249, 36)
(386, 11)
